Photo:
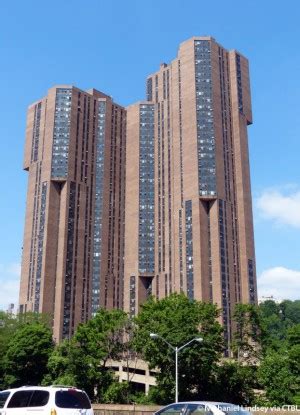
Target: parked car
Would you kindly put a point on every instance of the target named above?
(50, 400)
(202, 408)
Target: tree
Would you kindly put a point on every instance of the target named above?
(277, 319)
(248, 334)
(234, 383)
(178, 320)
(291, 311)
(27, 355)
(293, 335)
(278, 381)
(269, 308)
(118, 392)
(8, 325)
(83, 360)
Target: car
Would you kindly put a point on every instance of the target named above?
(48, 400)
(202, 408)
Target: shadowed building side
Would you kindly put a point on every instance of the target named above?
(139, 267)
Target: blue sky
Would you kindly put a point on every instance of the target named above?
(113, 46)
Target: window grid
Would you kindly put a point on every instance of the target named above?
(61, 133)
(98, 209)
(146, 190)
(205, 119)
(189, 249)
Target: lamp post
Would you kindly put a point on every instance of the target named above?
(176, 350)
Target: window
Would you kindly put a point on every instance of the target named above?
(3, 398)
(232, 409)
(205, 119)
(194, 409)
(39, 398)
(146, 189)
(20, 399)
(176, 409)
(72, 399)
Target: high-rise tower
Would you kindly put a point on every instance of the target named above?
(153, 199)
(74, 231)
(193, 130)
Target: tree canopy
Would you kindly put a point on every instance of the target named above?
(26, 357)
(265, 346)
(178, 320)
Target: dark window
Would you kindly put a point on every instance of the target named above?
(20, 399)
(3, 398)
(72, 399)
(232, 410)
(176, 409)
(194, 409)
(39, 398)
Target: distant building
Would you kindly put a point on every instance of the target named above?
(262, 299)
(11, 309)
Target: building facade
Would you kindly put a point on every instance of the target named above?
(189, 225)
(74, 230)
(153, 199)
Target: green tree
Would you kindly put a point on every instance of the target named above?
(291, 311)
(118, 392)
(178, 320)
(83, 360)
(293, 335)
(293, 339)
(8, 325)
(277, 319)
(26, 357)
(269, 308)
(278, 381)
(248, 334)
(234, 383)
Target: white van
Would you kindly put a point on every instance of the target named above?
(50, 400)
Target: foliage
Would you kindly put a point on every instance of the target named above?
(277, 379)
(26, 357)
(268, 334)
(234, 383)
(293, 335)
(119, 392)
(249, 331)
(83, 359)
(178, 320)
(8, 325)
(290, 311)
(277, 319)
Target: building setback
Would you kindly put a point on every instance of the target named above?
(74, 230)
(189, 225)
(153, 199)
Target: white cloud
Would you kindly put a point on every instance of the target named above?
(280, 282)
(9, 284)
(281, 207)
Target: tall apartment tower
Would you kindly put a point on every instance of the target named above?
(189, 225)
(74, 231)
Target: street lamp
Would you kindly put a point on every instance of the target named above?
(176, 350)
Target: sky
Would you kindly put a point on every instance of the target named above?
(112, 46)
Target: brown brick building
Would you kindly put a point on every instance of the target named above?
(116, 213)
(74, 229)
(188, 210)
